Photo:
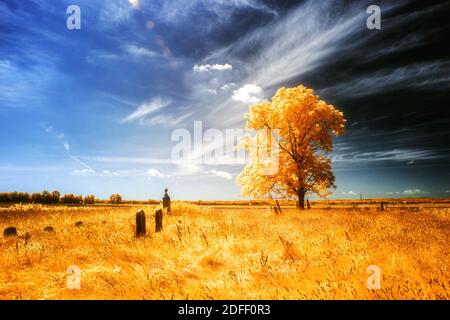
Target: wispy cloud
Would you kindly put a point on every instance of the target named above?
(155, 173)
(114, 14)
(221, 174)
(125, 160)
(174, 13)
(140, 51)
(167, 120)
(418, 76)
(55, 133)
(407, 155)
(414, 191)
(24, 87)
(147, 108)
(61, 138)
(83, 171)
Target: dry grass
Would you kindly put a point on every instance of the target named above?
(225, 254)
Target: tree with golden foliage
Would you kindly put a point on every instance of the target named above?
(302, 126)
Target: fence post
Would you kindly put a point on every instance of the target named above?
(308, 204)
(278, 206)
(141, 230)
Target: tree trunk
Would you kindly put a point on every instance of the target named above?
(301, 200)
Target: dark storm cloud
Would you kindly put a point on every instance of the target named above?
(393, 84)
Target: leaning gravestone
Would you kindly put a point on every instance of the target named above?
(158, 220)
(166, 201)
(141, 230)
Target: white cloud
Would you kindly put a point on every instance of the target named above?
(66, 146)
(248, 94)
(414, 191)
(140, 51)
(83, 172)
(146, 109)
(212, 67)
(221, 174)
(227, 86)
(155, 173)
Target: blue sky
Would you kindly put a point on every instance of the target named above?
(93, 110)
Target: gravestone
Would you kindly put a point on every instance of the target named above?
(158, 220)
(9, 232)
(78, 223)
(166, 201)
(49, 229)
(141, 230)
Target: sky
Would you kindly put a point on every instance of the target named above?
(95, 110)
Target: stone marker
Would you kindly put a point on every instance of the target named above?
(166, 201)
(158, 220)
(78, 223)
(381, 206)
(141, 230)
(308, 205)
(49, 229)
(9, 232)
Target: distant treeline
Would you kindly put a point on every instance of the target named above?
(45, 197)
(55, 197)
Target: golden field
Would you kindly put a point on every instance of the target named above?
(225, 253)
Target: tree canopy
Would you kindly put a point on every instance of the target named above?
(302, 126)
